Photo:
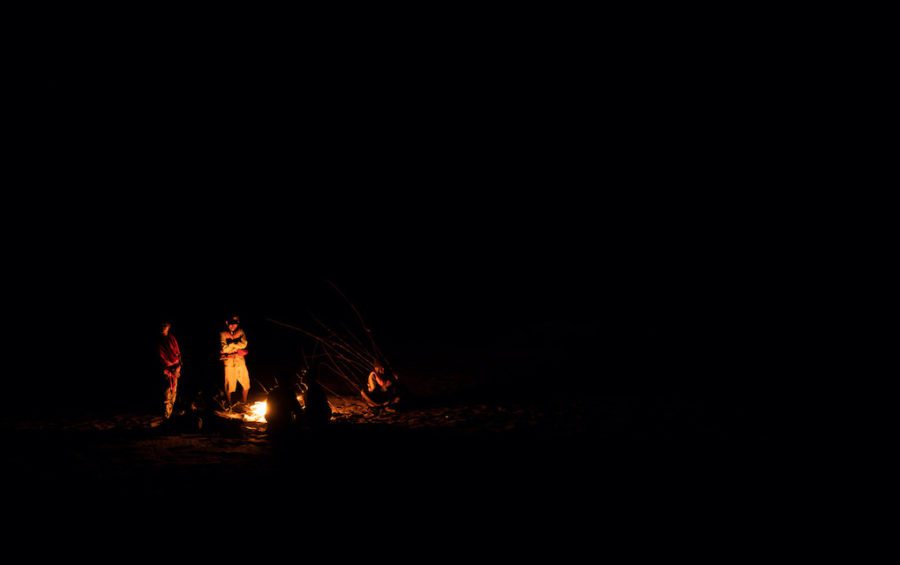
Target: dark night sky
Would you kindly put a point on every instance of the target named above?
(470, 206)
(579, 229)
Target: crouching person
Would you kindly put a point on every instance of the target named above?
(382, 391)
(315, 402)
(283, 410)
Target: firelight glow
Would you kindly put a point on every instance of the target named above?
(257, 412)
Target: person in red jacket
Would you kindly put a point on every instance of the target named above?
(170, 362)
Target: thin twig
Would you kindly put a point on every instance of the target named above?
(362, 322)
(364, 355)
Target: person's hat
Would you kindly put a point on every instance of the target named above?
(233, 320)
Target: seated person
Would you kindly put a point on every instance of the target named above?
(381, 390)
(283, 410)
(315, 402)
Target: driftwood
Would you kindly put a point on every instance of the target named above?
(341, 353)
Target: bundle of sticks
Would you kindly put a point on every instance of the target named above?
(340, 352)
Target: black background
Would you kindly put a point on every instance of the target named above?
(574, 217)
(580, 210)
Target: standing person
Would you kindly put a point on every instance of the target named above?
(170, 362)
(232, 349)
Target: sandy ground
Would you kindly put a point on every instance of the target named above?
(447, 450)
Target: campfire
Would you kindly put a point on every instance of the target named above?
(257, 412)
